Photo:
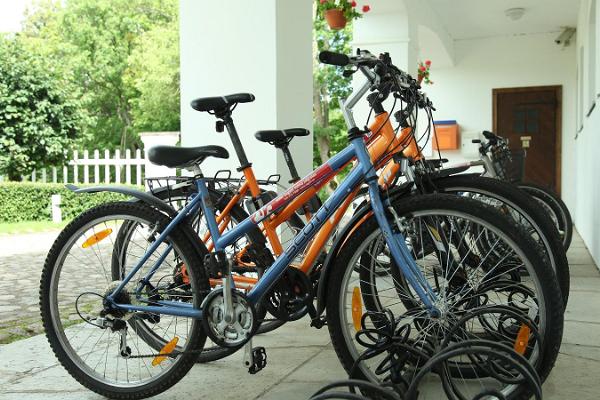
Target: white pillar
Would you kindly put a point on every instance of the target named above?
(261, 47)
(151, 139)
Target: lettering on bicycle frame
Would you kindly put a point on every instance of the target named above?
(316, 178)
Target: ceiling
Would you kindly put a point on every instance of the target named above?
(467, 19)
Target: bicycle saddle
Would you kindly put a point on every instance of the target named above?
(220, 102)
(436, 162)
(181, 157)
(278, 137)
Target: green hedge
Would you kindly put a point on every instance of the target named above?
(31, 201)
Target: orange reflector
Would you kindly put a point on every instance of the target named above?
(184, 275)
(92, 240)
(522, 339)
(356, 308)
(167, 349)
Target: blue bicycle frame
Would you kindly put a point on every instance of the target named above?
(363, 171)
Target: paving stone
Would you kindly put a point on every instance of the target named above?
(579, 256)
(573, 377)
(301, 359)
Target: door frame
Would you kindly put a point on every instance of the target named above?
(558, 123)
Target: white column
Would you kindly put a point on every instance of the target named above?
(151, 139)
(261, 47)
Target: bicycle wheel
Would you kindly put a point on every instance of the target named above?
(520, 280)
(104, 348)
(511, 201)
(555, 207)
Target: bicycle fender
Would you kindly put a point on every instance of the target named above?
(361, 215)
(143, 196)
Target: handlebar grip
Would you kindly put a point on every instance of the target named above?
(489, 135)
(331, 58)
(475, 141)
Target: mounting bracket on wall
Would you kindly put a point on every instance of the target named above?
(564, 39)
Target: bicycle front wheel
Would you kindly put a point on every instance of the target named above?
(105, 348)
(555, 208)
(483, 297)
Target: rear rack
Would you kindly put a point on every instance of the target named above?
(221, 182)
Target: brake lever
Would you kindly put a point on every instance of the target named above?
(349, 72)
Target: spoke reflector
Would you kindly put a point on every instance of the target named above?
(92, 240)
(356, 308)
(167, 349)
(522, 339)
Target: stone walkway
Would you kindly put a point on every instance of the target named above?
(301, 359)
(21, 261)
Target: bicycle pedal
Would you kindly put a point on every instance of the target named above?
(259, 360)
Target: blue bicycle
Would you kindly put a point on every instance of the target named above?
(136, 334)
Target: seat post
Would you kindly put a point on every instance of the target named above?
(237, 144)
(290, 162)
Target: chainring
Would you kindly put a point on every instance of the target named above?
(290, 297)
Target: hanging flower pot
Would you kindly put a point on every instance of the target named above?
(335, 18)
(337, 13)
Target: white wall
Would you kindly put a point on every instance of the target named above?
(585, 147)
(262, 47)
(464, 92)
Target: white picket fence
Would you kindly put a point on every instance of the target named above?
(96, 169)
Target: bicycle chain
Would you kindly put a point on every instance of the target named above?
(180, 352)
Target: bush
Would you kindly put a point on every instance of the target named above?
(31, 201)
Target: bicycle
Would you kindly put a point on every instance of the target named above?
(497, 160)
(149, 296)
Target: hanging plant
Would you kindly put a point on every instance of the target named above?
(338, 13)
(423, 72)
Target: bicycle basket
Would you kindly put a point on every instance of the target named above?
(509, 165)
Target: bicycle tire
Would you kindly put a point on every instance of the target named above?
(553, 305)
(527, 207)
(553, 200)
(186, 250)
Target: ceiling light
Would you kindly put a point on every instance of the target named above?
(514, 13)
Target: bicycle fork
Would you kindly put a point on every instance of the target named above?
(394, 239)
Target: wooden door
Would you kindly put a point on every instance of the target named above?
(535, 113)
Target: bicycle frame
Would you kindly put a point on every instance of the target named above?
(363, 171)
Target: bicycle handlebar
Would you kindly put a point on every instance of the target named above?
(332, 58)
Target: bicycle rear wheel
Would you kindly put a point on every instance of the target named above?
(105, 348)
(178, 198)
(517, 204)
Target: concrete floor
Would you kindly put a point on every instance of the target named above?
(301, 359)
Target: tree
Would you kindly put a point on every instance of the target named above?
(39, 114)
(94, 40)
(329, 87)
(154, 74)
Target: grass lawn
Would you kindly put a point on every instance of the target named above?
(10, 228)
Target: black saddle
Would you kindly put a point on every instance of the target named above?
(281, 136)
(181, 157)
(221, 102)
